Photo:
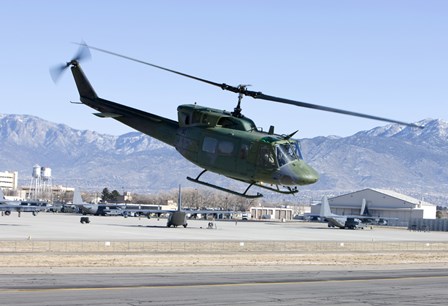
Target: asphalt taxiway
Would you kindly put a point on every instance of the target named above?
(403, 287)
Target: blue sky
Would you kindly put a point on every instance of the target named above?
(386, 58)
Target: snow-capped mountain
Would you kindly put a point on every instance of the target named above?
(409, 160)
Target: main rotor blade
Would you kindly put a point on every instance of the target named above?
(258, 95)
(221, 85)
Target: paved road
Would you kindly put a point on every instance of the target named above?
(400, 287)
(48, 226)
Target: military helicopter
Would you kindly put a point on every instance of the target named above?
(227, 143)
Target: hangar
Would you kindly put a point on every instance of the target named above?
(381, 203)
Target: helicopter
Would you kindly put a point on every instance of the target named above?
(219, 141)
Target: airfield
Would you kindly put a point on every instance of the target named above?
(67, 227)
(217, 243)
(53, 259)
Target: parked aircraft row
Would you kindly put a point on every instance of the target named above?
(176, 217)
(7, 206)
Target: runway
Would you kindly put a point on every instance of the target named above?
(403, 287)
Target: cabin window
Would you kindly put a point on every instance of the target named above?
(209, 145)
(244, 150)
(230, 123)
(225, 147)
(266, 157)
(196, 117)
(185, 118)
(205, 119)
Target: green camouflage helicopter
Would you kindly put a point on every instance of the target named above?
(219, 141)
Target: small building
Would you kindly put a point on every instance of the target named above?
(380, 203)
(8, 180)
(271, 213)
(56, 192)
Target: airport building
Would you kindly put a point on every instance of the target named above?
(8, 180)
(380, 203)
(270, 213)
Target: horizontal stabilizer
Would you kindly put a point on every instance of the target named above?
(107, 115)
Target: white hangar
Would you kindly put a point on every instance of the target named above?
(381, 203)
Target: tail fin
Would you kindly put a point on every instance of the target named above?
(364, 209)
(2, 196)
(325, 210)
(179, 200)
(85, 89)
(77, 199)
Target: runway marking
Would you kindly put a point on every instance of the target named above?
(223, 284)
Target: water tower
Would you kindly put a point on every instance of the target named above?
(46, 181)
(41, 182)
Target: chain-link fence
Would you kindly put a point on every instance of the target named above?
(30, 246)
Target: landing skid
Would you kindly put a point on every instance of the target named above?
(244, 194)
(289, 191)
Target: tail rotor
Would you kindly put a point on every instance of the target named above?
(82, 54)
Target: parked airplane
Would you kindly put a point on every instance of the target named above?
(350, 221)
(175, 217)
(6, 206)
(93, 209)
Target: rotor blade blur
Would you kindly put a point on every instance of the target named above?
(56, 72)
(83, 52)
(259, 95)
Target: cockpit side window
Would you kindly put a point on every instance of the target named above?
(266, 157)
(298, 149)
(287, 152)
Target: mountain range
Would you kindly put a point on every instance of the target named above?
(408, 160)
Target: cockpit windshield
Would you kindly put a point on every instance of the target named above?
(287, 152)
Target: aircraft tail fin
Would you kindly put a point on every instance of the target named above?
(179, 200)
(2, 196)
(364, 209)
(84, 88)
(325, 210)
(77, 199)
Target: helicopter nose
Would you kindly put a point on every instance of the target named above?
(299, 173)
(310, 176)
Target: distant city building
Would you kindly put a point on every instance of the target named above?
(56, 193)
(8, 180)
(125, 197)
